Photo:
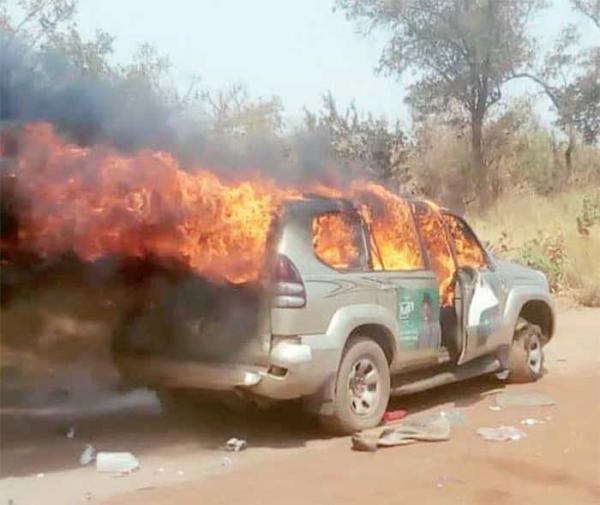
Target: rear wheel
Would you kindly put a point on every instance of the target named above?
(362, 388)
(526, 360)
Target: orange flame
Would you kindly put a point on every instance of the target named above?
(96, 201)
(440, 256)
(335, 241)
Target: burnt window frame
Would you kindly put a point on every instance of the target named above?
(366, 250)
(447, 237)
(489, 264)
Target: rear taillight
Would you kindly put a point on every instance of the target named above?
(289, 292)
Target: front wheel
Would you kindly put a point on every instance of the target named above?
(362, 388)
(526, 360)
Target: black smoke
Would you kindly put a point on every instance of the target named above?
(129, 114)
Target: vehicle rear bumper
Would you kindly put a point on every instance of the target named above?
(298, 367)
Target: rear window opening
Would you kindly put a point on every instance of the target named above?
(338, 241)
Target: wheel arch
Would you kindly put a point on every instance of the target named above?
(540, 313)
(380, 334)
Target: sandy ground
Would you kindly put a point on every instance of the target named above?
(290, 461)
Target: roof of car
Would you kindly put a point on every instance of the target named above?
(316, 204)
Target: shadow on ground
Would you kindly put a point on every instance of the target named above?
(34, 439)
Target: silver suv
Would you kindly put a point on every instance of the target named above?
(332, 324)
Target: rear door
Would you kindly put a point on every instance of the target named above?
(407, 286)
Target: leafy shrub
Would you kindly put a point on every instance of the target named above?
(546, 253)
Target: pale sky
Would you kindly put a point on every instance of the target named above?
(297, 49)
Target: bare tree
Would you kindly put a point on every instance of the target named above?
(378, 147)
(39, 19)
(590, 8)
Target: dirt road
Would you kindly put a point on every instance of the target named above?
(289, 461)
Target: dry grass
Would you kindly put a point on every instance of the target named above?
(517, 219)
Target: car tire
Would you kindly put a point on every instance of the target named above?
(362, 388)
(526, 359)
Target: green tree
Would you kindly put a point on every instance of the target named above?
(570, 78)
(460, 51)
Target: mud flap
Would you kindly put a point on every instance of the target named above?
(321, 403)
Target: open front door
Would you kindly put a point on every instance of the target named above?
(481, 311)
(479, 288)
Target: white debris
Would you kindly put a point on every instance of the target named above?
(530, 421)
(501, 434)
(502, 375)
(454, 417)
(40, 475)
(88, 455)
(71, 432)
(235, 445)
(495, 408)
(116, 462)
(180, 472)
(226, 462)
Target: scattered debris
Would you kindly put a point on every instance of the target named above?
(495, 408)
(226, 462)
(88, 455)
(40, 475)
(71, 432)
(455, 417)
(364, 444)
(116, 462)
(159, 470)
(501, 434)
(531, 399)
(502, 375)
(530, 421)
(235, 445)
(394, 415)
(429, 429)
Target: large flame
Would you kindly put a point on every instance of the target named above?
(434, 236)
(96, 201)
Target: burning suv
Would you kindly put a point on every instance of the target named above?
(344, 314)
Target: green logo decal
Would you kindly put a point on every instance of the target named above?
(418, 314)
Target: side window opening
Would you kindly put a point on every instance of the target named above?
(466, 246)
(394, 237)
(338, 241)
